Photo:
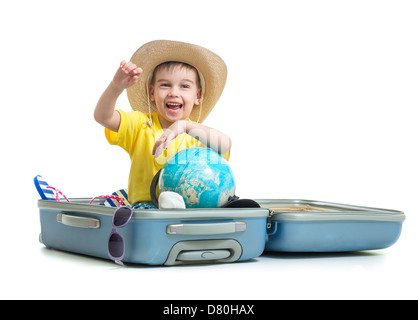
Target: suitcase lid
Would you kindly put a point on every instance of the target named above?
(309, 210)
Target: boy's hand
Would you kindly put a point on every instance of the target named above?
(127, 75)
(168, 136)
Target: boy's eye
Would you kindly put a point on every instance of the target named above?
(185, 86)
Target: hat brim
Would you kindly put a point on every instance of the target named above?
(209, 65)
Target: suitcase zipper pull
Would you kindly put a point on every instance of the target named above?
(271, 212)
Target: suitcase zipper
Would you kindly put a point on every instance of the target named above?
(271, 212)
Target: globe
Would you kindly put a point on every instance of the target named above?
(201, 176)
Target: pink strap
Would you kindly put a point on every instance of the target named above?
(56, 193)
(120, 199)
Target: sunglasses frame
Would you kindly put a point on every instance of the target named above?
(114, 232)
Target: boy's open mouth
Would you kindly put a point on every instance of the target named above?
(174, 106)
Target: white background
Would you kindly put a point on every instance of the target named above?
(320, 103)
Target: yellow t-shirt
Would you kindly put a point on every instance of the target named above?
(137, 138)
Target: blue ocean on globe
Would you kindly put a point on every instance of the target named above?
(201, 176)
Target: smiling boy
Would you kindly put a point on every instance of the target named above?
(172, 86)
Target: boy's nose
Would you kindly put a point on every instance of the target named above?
(174, 92)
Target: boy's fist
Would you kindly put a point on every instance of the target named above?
(127, 75)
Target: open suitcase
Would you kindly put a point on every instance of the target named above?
(184, 236)
(316, 226)
(156, 237)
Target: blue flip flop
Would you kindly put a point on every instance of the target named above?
(41, 185)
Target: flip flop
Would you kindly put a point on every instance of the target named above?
(122, 193)
(42, 187)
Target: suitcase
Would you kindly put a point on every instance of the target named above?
(156, 237)
(316, 226)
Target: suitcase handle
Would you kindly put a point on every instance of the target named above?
(78, 222)
(204, 251)
(207, 228)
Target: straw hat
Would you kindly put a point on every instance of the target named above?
(211, 68)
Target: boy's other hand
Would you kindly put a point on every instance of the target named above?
(168, 136)
(163, 142)
(127, 75)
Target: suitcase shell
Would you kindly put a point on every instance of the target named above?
(156, 237)
(316, 226)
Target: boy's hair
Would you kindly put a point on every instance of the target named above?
(170, 65)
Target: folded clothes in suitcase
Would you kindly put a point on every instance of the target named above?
(315, 226)
(156, 236)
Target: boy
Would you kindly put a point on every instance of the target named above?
(172, 86)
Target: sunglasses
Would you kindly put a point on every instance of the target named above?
(116, 242)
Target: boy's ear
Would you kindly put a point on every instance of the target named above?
(151, 92)
(198, 97)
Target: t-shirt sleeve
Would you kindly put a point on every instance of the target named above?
(199, 144)
(226, 155)
(128, 130)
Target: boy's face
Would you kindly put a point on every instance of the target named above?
(175, 93)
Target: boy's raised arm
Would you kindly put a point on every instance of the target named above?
(105, 113)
